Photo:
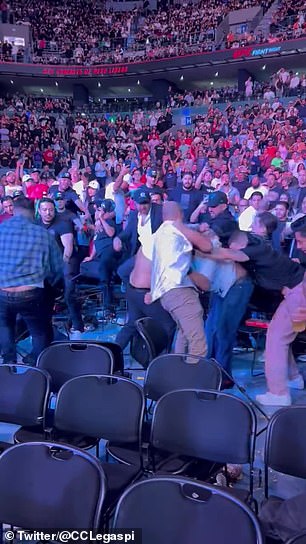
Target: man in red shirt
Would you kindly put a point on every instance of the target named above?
(48, 156)
(36, 189)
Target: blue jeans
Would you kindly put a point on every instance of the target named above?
(224, 317)
(31, 305)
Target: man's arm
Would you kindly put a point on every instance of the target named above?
(67, 241)
(195, 238)
(224, 254)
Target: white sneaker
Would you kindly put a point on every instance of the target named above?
(302, 358)
(269, 399)
(297, 383)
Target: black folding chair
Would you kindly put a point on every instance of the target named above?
(115, 349)
(66, 360)
(90, 408)
(285, 447)
(50, 486)
(24, 394)
(216, 428)
(173, 510)
(149, 341)
(170, 372)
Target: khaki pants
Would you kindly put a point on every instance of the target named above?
(184, 306)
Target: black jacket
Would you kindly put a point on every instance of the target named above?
(224, 225)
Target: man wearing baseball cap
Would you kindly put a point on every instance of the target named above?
(142, 223)
(221, 220)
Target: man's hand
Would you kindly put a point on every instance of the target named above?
(299, 315)
(148, 298)
(117, 244)
(87, 260)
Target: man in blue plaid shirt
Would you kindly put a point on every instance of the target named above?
(29, 259)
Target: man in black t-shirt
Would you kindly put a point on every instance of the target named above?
(186, 196)
(273, 271)
(63, 232)
(72, 200)
(221, 220)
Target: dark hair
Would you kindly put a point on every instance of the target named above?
(23, 203)
(238, 235)
(256, 193)
(5, 198)
(44, 200)
(282, 203)
(301, 230)
(269, 221)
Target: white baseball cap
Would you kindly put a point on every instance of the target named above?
(93, 184)
(26, 178)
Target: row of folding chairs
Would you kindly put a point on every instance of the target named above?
(187, 424)
(45, 486)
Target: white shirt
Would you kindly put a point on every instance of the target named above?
(250, 190)
(145, 236)
(246, 219)
(172, 254)
(80, 190)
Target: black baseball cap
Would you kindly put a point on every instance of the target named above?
(66, 176)
(141, 196)
(217, 198)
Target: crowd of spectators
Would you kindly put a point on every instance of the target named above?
(95, 179)
(60, 30)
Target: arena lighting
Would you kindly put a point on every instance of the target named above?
(41, 90)
(12, 82)
(211, 82)
(182, 78)
(216, 74)
(99, 84)
(138, 82)
(264, 67)
(56, 84)
(296, 73)
(129, 90)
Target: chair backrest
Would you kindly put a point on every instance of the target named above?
(24, 393)
(219, 427)
(47, 485)
(102, 407)
(66, 360)
(299, 539)
(170, 372)
(172, 510)
(149, 342)
(285, 448)
(112, 346)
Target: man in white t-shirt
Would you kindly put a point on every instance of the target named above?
(247, 217)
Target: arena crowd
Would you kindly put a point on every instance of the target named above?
(60, 31)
